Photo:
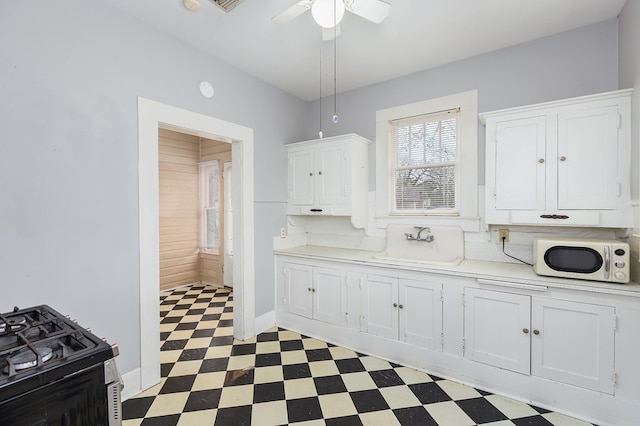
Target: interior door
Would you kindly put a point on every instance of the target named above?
(227, 270)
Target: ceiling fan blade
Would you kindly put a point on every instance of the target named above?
(292, 12)
(329, 33)
(372, 10)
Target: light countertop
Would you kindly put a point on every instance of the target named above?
(513, 273)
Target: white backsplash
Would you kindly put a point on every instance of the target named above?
(485, 245)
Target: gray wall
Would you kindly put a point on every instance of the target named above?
(629, 52)
(579, 62)
(70, 75)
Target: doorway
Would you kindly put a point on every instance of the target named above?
(153, 115)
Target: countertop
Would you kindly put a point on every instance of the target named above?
(512, 273)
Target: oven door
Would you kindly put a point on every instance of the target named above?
(77, 400)
(581, 262)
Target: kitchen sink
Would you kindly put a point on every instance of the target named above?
(438, 245)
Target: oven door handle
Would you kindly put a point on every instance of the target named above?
(607, 262)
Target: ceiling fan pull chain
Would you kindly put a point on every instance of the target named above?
(335, 90)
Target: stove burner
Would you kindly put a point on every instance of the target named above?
(17, 323)
(27, 358)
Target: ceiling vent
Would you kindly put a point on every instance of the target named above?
(227, 5)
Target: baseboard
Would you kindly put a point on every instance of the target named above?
(265, 322)
(131, 381)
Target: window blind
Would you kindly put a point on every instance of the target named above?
(425, 160)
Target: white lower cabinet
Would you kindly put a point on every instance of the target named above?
(316, 292)
(560, 340)
(403, 309)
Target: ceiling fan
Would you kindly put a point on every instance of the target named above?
(327, 17)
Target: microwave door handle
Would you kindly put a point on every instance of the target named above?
(607, 262)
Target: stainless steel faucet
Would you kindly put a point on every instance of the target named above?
(427, 238)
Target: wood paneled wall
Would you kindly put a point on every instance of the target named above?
(178, 156)
(211, 264)
(180, 259)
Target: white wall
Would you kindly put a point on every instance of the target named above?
(629, 53)
(629, 76)
(70, 75)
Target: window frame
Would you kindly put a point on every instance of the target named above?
(466, 174)
(203, 169)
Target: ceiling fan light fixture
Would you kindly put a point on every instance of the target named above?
(323, 12)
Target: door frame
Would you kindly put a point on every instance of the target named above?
(153, 115)
(227, 179)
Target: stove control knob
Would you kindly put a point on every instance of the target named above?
(620, 276)
(619, 264)
(115, 349)
(88, 329)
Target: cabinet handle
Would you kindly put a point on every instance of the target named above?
(525, 330)
(315, 210)
(554, 216)
(541, 160)
(536, 332)
(563, 158)
(400, 306)
(395, 305)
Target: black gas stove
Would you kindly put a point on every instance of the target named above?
(55, 372)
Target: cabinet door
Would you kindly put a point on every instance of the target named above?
(330, 295)
(420, 308)
(573, 343)
(496, 329)
(520, 164)
(380, 315)
(301, 177)
(588, 159)
(297, 287)
(332, 174)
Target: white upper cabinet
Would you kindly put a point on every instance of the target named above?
(561, 163)
(329, 177)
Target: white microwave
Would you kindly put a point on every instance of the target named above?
(596, 260)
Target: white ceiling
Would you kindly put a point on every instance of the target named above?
(417, 35)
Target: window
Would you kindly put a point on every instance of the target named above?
(210, 206)
(424, 163)
(427, 162)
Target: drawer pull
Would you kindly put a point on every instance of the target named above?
(554, 216)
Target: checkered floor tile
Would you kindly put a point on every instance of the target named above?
(281, 377)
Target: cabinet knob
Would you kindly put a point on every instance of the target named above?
(400, 306)
(310, 173)
(536, 332)
(563, 158)
(525, 330)
(541, 160)
(313, 290)
(395, 305)
(320, 172)
(309, 289)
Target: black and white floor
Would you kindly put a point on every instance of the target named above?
(281, 377)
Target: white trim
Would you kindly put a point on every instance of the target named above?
(131, 380)
(151, 116)
(468, 217)
(265, 321)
